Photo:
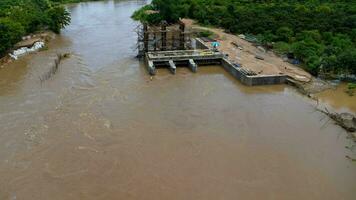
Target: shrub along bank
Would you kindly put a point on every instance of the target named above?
(21, 17)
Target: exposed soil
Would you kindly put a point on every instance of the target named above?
(251, 57)
(312, 87)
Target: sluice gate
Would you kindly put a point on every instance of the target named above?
(199, 57)
(190, 58)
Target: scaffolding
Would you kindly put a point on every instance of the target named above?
(162, 37)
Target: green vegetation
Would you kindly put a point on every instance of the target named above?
(351, 88)
(10, 33)
(320, 33)
(20, 17)
(145, 15)
(71, 1)
(205, 33)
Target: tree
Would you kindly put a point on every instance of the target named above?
(347, 61)
(309, 51)
(19, 17)
(10, 33)
(284, 34)
(168, 9)
(59, 17)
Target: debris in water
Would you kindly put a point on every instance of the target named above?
(24, 50)
(87, 148)
(107, 124)
(88, 136)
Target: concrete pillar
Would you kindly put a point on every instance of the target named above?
(155, 41)
(181, 35)
(164, 35)
(172, 67)
(151, 68)
(193, 66)
(145, 37)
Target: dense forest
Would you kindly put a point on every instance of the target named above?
(20, 17)
(320, 33)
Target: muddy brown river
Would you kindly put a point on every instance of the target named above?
(100, 129)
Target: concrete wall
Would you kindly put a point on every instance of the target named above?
(234, 71)
(252, 80)
(199, 44)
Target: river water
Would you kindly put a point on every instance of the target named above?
(100, 128)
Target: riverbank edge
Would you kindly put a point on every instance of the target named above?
(307, 88)
(310, 89)
(42, 35)
(6, 58)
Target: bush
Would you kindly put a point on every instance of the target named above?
(20, 17)
(282, 47)
(284, 34)
(58, 18)
(10, 33)
(346, 61)
(141, 14)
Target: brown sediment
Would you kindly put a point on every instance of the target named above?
(338, 99)
(317, 90)
(4, 60)
(102, 129)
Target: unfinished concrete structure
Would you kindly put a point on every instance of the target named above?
(171, 46)
(162, 37)
(190, 58)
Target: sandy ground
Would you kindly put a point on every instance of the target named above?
(271, 65)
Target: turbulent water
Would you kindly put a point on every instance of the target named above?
(100, 128)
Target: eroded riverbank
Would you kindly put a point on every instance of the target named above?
(101, 129)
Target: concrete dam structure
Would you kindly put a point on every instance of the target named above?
(171, 47)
